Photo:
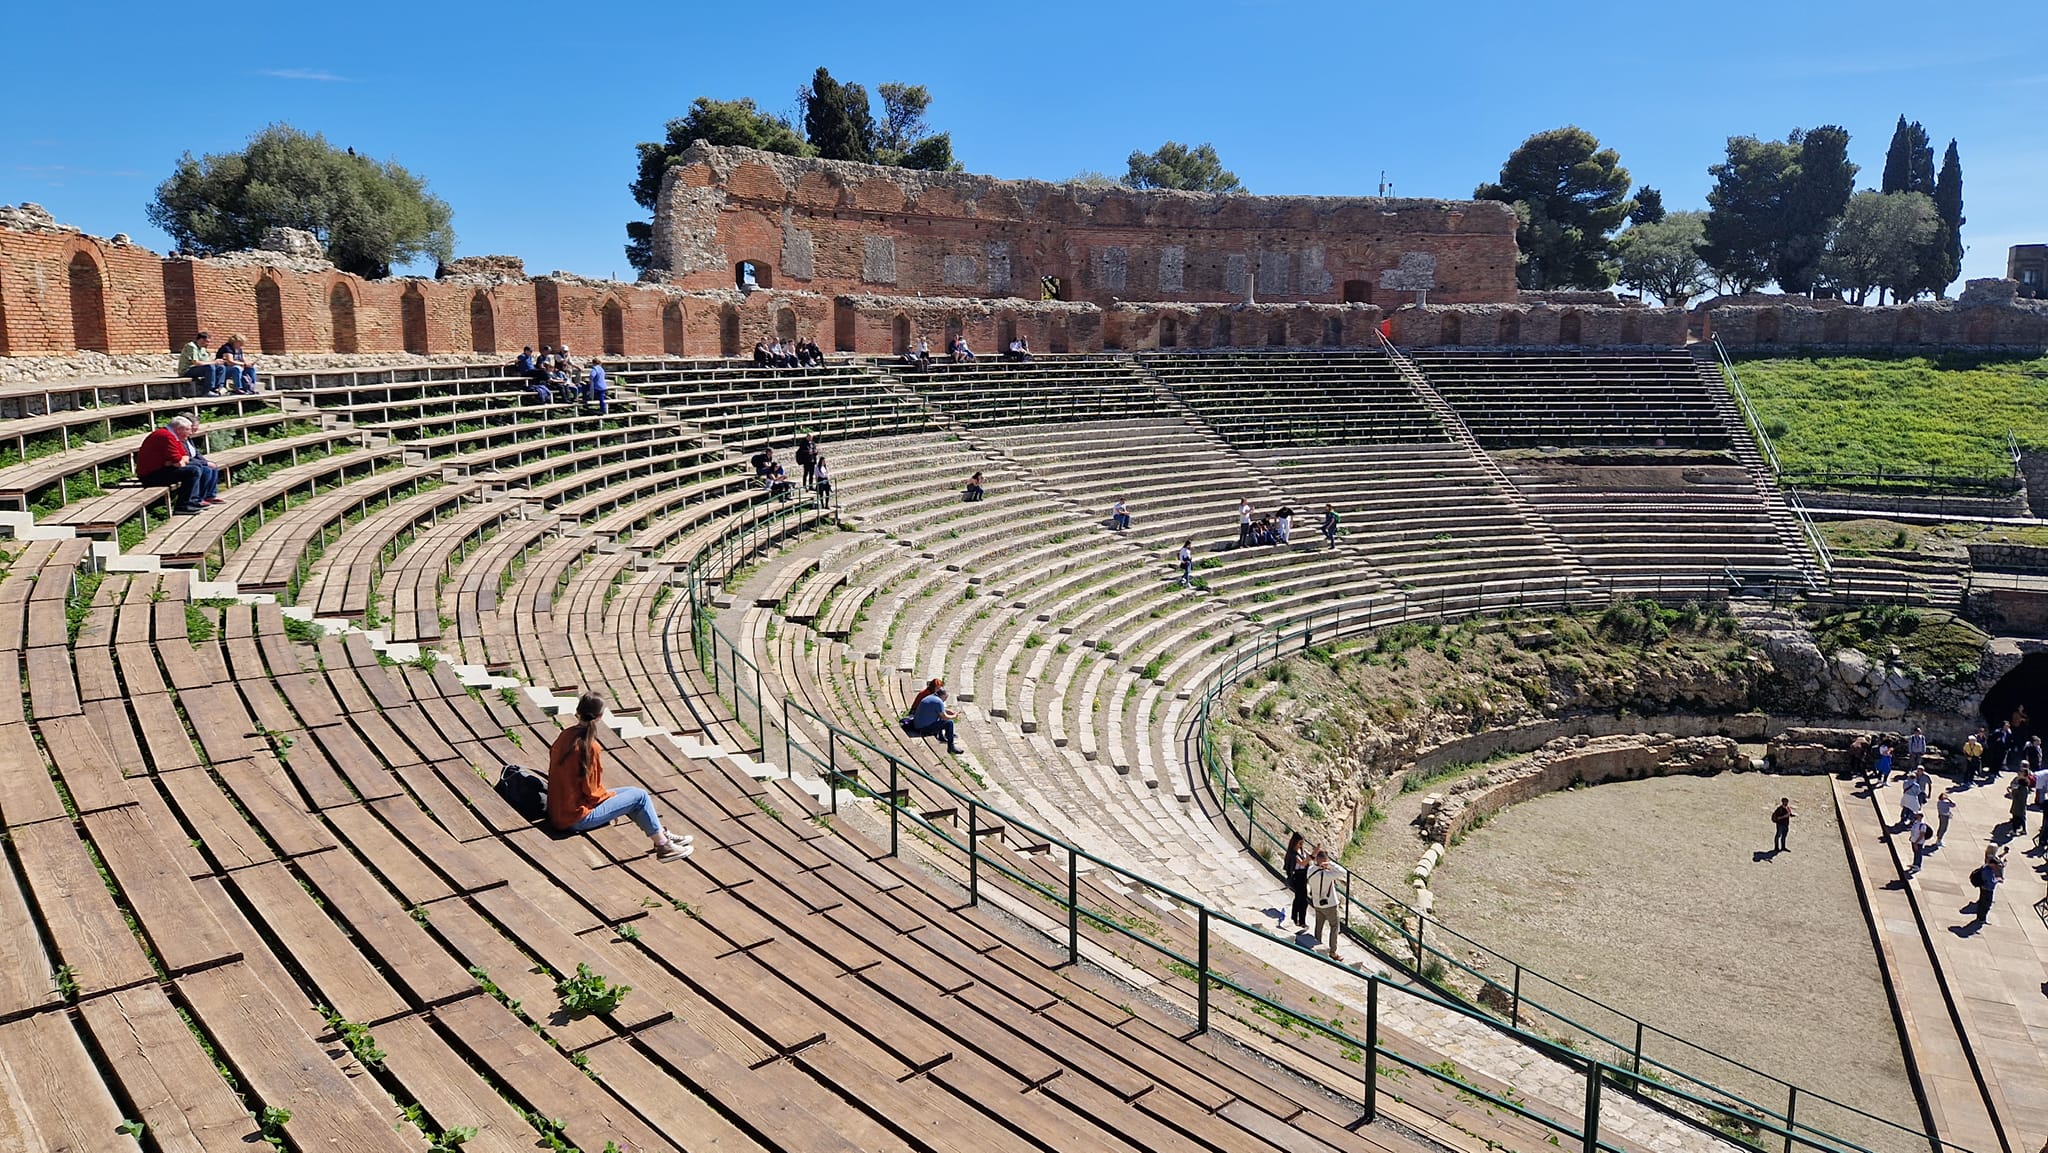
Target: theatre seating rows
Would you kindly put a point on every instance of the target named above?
(230, 845)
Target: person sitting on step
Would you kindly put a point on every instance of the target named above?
(974, 489)
(761, 354)
(959, 352)
(931, 718)
(577, 799)
(165, 461)
(238, 372)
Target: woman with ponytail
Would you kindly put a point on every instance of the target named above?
(577, 799)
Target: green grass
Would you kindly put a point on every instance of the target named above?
(1912, 414)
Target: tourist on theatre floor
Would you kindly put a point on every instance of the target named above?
(931, 718)
(1973, 754)
(1781, 823)
(197, 364)
(1326, 895)
(164, 461)
(238, 372)
(1944, 808)
(2017, 792)
(1918, 787)
(1919, 836)
(1986, 878)
(1884, 762)
(577, 799)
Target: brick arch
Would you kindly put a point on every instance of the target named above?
(6, 344)
(270, 326)
(1223, 334)
(1510, 331)
(1276, 332)
(412, 319)
(673, 327)
(1631, 329)
(899, 333)
(483, 323)
(1056, 335)
(612, 326)
(1169, 332)
(86, 285)
(1006, 331)
(341, 316)
(1568, 327)
(728, 330)
(785, 324)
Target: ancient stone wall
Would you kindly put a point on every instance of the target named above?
(1988, 316)
(855, 229)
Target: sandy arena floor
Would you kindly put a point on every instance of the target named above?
(1657, 897)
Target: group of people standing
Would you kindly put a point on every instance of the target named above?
(1317, 883)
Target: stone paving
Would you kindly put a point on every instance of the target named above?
(1995, 970)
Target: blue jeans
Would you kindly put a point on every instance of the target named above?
(240, 377)
(211, 373)
(627, 802)
(208, 484)
(942, 729)
(541, 391)
(603, 398)
(1120, 521)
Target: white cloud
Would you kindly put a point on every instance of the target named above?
(302, 74)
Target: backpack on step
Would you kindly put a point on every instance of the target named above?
(525, 790)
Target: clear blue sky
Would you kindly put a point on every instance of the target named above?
(523, 117)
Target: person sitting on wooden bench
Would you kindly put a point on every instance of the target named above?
(197, 364)
(577, 799)
(206, 490)
(165, 461)
(931, 718)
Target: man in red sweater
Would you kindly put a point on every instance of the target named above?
(164, 461)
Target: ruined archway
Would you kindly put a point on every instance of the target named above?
(1056, 335)
(1450, 329)
(483, 324)
(270, 317)
(1510, 331)
(341, 317)
(5, 346)
(899, 333)
(88, 304)
(412, 320)
(612, 323)
(1358, 292)
(1276, 332)
(1222, 339)
(1767, 326)
(672, 342)
(728, 331)
(785, 325)
(1169, 333)
(1631, 329)
(2026, 686)
(845, 327)
(1568, 328)
(1333, 331)
(1006, 331)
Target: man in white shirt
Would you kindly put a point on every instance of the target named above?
(1326, 897)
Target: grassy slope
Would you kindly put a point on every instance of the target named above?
(1913, 414)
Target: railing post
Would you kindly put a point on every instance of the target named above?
(1202, 972)
(1515, 1006)
(1592, 1122)
(973, 851)
(832, 763)
(1639, 1049)
(1372, 1048)
(788, 753)
(1792, 1110)
(894, 807)
(1073, 906)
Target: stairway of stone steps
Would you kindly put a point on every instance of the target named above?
(1897, 577)
(1791, 533)
(1461, 435)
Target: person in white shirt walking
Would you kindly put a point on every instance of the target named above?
(1326, 897)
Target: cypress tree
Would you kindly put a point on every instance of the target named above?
(1909, 162)
(1948, 202)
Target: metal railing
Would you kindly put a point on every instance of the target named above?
(1808, 531)
(851, 764)
(1668, 1069)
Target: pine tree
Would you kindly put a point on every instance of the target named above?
(837, 119)
(1948, 203)
(1909, 162)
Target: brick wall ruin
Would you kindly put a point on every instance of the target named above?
(1989, 315)
(839, 228)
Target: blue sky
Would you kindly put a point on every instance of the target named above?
(524, 116)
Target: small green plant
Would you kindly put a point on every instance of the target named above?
(65, 980)
(198, 625)
(356, 1037)
(305, 632)
(586, 993)
(272, 1121)
(627, 932)
(453, 1139)
(131, 1128)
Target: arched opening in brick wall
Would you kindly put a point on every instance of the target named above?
(1222, 330)
(1169, 333)
(412, 319)
(844, 327)
(1767, 326)
(1907, 328)
(748, 275)
(672, 329)
(88, 304)
(1510, 331)
(1333, 331)
(270, 317)
(954, 327)
(899, 334)
(1358, 292)
(1631, 328)
(728, 331)
(612, 320)
(785, 324)
(1276, 332)
(1006, 331)
(1568, 328)
(341, 317)
(483, 323)
(1450, 329)
(1056, 337)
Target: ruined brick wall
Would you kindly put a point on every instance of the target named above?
(1539, 326)
(61, 291)
(839, 228)
(1988, 315)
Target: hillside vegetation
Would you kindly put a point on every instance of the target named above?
(1945, 414)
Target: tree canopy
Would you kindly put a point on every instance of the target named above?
(1943, 267)
(1175, 165)
(904, 139)
(1661, 257)
(837, 119)
(1570, 194)
(369, 215)
(1880, 243)
(1649, 207)
(1772, 206)
(1909, 161)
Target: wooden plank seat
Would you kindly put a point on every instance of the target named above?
(99, 464)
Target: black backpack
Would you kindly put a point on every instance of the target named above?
(525, 790)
